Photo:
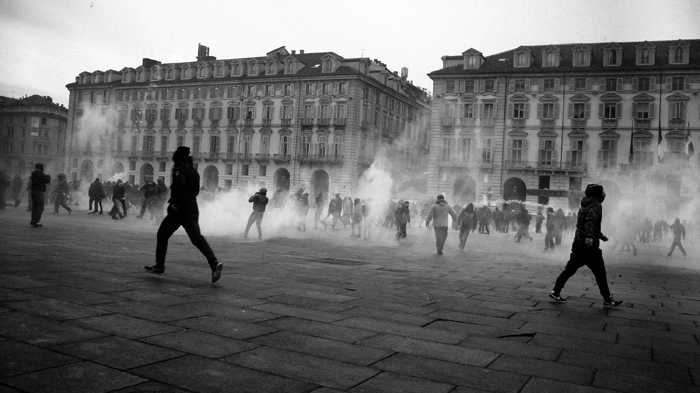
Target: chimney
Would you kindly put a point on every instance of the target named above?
(294, 52)
(301, 51)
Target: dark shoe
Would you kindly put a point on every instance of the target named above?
(556, 297)
(439, 252)
(100, 213)
(35, 225)
(216, 272)
(243, 235)
(610, 303)
(154, 269)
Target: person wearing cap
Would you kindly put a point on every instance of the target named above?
(39, 180)
(62, 193)
(585, 250)
(183, 212)
(259, 201)
(439, 213)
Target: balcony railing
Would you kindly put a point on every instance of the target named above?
(518, 123)
(447, 122)
(467, 122)
(547, 124)
(181, 123)
(338, 122)
(487, 122)
(262, 157)
(280, 158)
(215, 122)
(148, 154)
(245, 156)
(676, 124)
(576, 166)
(578, 123)
(318, 158)
(609, 124)
(164, 153)
(212, 155)
(457, 162)
(286, 122)
(324, 121)
(248, 122)
(642, 124)
(539, 164)
(307, 122)
(266, 122)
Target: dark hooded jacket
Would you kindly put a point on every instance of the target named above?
(39, 180)
(259, 201)
(184, 190)
(590, 215)
(467, 218)
(96, 191)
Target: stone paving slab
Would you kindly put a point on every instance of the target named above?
(319, 313)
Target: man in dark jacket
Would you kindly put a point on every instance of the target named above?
(259, 201)
(466, 222)
(96, 194)
(62, 194)
(148, 191)
(118, 200)
(440, 212)
(678, 230)
(402, 216)
(335, 209)
(39, 180)
(549, 235)
(585, 249)
(183, 211)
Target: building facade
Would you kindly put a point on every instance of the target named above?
(281, 121)
(32, 130)
(538, 123)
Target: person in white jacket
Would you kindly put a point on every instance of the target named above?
(439, 216)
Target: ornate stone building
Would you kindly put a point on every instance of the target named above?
(32, 130)
(281, 120)
(537, 123)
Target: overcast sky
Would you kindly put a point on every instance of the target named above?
(45, 44)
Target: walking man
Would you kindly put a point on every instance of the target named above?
(38, 182)
(259, 201)
(678, 229)
(439, 213)
(585, 249)
(183, 211)
(96, 194)
(62, 193)
(466, 223)
(402, 217)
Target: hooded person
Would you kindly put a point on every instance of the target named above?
(402, 217)
(62, 194)
(183, 211)
(585, 250)
(439, 214)
(678, 230)
(96, 194)
(259, 201)
(118, 201)
(38, 182)
(466, 222)
(550, 227)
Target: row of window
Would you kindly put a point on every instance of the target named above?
(523, 85)
(463, 150)
(38, 148)
(582, 56)
(251, 67)
(321, 146)
(575, 110)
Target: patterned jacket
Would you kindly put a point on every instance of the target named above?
(588, 222)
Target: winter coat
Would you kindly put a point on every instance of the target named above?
(40, 180)
(96, 191)
(184, 189)
(439, 213)
(590, 215)
(467, 220)
(259, 202)
(402, 215)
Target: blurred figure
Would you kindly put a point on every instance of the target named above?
(367, 229)
(585, 249)
(538, 222)
(335, 209)
(302, 210)
(5, 183)
(677, 229)
(62, 194)
(96, 193)
(118, 200)
(523, 220)
(347, 211)
(466, 221)
(402, 217)
(318, 210)
(357, 218)
(38, 182)
(17, 189)
(559, 225)
(439, 212)
(259, 201)
(550, 228)
(183, 211)
(160, 196)
(148, 191)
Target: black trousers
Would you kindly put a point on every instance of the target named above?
(463, 236)
(592, 257)
(190, 222)
(97, 202)
(37, 206)
(401, 230)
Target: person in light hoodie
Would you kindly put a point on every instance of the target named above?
(438, 214)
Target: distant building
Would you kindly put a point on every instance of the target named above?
(537, 123)
(281, 120)
(32, 130)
